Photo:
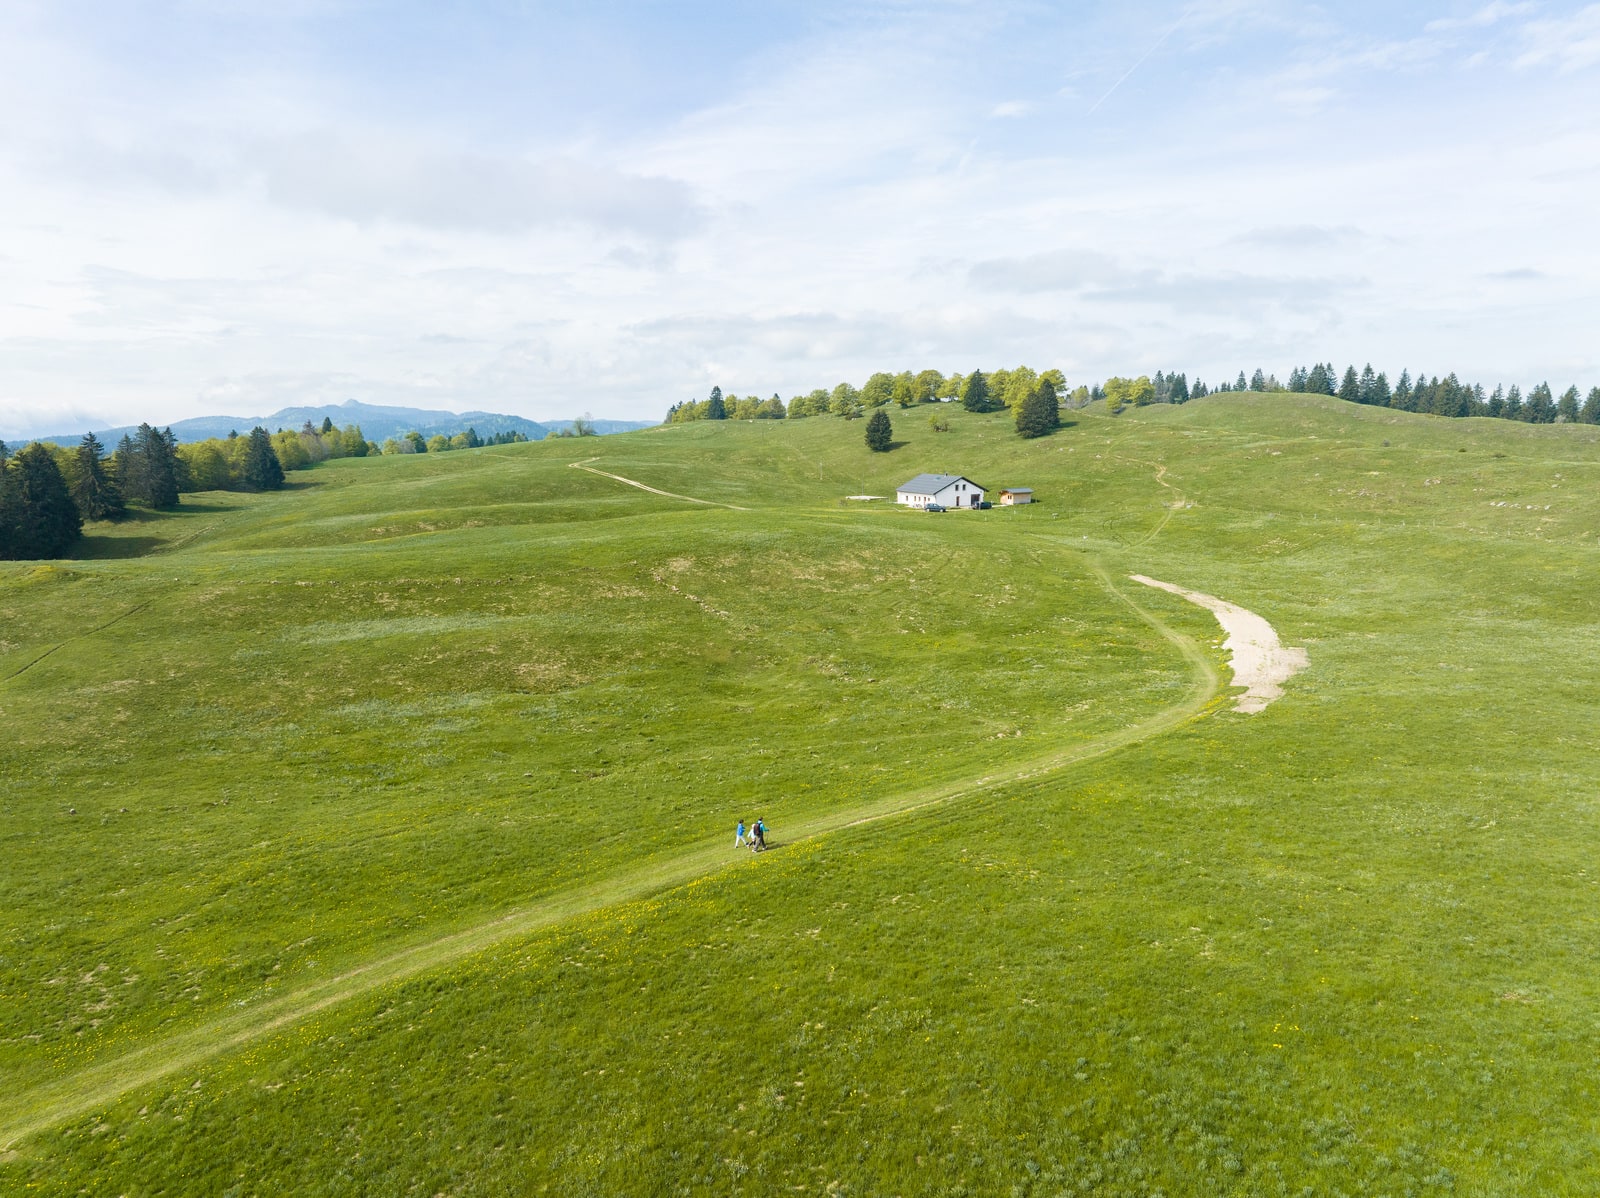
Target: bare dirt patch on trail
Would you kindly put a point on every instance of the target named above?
(1261, 663)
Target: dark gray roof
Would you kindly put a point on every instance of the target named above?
(932, 484)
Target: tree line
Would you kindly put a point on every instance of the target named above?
(1433, 396)
(48, 492)
(1034, 398)
(415, 442)
(1008, 389)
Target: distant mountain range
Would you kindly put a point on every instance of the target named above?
(377, 422)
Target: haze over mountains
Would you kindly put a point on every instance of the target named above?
(377, 422)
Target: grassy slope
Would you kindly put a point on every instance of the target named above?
(1344, 944)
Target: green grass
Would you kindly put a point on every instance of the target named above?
(459, 740)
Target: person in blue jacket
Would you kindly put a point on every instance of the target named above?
(738, 836)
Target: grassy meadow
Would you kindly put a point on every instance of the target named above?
(375, 837)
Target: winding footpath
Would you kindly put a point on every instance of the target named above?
(30, 1110)
(25, 1112)
(632, 482)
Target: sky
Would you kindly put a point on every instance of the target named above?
(232, 206)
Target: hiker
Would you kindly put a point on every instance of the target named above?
(738, 836)
(758, 835)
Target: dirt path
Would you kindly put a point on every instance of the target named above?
(584, 465)
(1261, 663)
(28, 1111)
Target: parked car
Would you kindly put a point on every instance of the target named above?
(985, 506)
(934, 507)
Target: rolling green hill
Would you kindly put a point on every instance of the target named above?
(375, 836)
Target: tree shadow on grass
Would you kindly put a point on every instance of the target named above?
(93, 548)
(128, 536)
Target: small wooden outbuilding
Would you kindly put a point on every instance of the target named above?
(1012, 496)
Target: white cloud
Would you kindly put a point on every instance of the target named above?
(838, 204)
(360, 181)
(1489, 14)
(1060, 270)
(1301, 237)
(1571, 43)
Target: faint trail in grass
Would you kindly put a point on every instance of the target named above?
(1171, 508)
(74, 639)
(187, 539)
(583, 465)
(26, 1112)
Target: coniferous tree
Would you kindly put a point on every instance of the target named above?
(1426, 394)
(327, 425)
(1513, 410)
(1567, 406)
(36, 507)
(1497, 402)
(8, 507)
(1040, 412)
(715, 408)
(176, 463)
(1258, 380)
(147, 468)
(880, 433)
(1241, 384)
(93, 490)
(1452, 399)
(1179, 386)
(125, 468)
(1369, 384)
(1402, 392)
(975, 392)
(1591, 407)
(261, 471)
(1350, 388)
(1541, 405)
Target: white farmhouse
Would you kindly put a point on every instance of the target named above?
(946, 490)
